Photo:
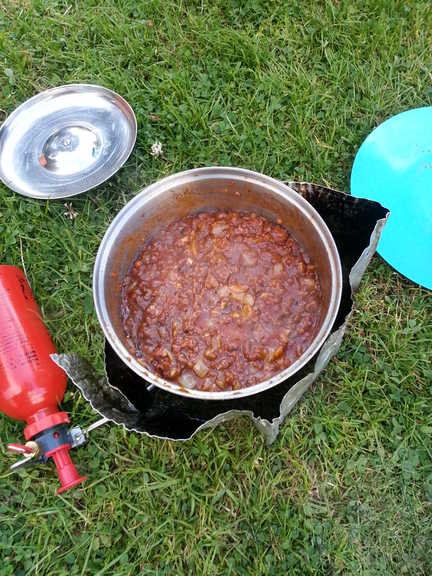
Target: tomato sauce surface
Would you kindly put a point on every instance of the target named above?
(221, 301)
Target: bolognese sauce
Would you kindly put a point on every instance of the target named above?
(221, 301)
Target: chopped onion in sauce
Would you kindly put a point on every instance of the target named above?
(200, 368)
(187, 379)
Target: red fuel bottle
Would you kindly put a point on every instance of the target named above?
(31, 384)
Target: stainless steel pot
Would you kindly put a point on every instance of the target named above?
(198, 190)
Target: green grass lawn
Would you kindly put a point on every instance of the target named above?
(290, 89)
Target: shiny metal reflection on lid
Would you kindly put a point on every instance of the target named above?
(65, 141)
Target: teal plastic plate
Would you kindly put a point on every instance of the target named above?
(394, 167)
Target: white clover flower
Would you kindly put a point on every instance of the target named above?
(70, 211)
(156, 149)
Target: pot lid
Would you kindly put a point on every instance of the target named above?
(65, 141)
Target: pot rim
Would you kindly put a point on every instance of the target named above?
(231, 173)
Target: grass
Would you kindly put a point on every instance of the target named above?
(290, 89)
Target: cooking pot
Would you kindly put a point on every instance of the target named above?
(208, 189)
